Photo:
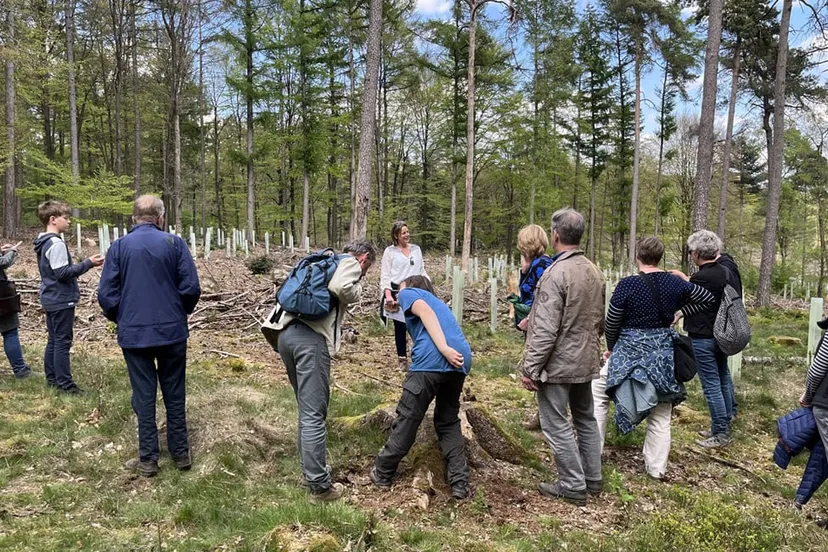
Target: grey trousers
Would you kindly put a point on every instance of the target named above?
(308, 363)
(578, 461)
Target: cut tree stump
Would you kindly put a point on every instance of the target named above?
(484, 437)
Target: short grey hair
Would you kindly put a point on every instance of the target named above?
(360, 246)
(705, 243)
(570, 226)
(147, 208)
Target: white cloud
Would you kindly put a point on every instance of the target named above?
(689, 11)
(432, 7)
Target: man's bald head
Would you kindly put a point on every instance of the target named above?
(147, 208)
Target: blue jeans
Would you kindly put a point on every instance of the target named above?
(11, 345)
(145, 378)
(716, 383)
(60, 325)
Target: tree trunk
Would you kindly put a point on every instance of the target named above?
(216, 180)
(731, 114)
(636, 160)
(467, 224)
(201, 135)
(661, 141)
(251, 180)
(9, 198)
(359, 221)
(116, 13)
(704, 160)
(535, 130)
(136, 110)
(352, 160)
(776, 159)
(455, 135)
(73, 109)
(823, 246)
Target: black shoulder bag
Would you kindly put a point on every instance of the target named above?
(9, 298)
(684, 358)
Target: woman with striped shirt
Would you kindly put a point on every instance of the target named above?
(638, 373)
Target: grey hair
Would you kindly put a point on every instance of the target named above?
(147, 208)
(706, 243)
(570, 226)
(360, 246)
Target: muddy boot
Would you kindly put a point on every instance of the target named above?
(533, 423)
(402, 364)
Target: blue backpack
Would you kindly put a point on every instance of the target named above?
(304, 293)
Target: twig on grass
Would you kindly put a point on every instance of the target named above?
(728, 463)
(388, 383)
(222, 354)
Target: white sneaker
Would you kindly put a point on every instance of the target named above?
(716, 441)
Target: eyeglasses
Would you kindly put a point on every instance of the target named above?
(411, 261)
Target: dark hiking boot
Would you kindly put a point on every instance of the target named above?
(594, 488)
(554, 490)
(183, 463)
(72, 390)
(378, 481)
(334, 492)
(24, 373)
(147, 468)
(460, 491)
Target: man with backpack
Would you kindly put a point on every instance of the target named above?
(305, 329)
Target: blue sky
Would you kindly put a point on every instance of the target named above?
(440, 9)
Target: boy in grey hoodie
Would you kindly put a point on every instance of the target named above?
(59, 292)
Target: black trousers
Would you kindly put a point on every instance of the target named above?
(419, 389)
(145, 378)
(60, 325)
(400, 338)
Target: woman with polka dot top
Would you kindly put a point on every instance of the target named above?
(638, 375)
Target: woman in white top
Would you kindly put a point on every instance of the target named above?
(399, 261)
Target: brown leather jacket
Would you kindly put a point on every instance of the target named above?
(566, 322)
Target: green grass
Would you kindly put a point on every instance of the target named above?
(63, 487)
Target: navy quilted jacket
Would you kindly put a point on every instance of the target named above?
(797, 431)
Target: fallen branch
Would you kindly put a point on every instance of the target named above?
(222, 354)
(728, 463)
(388, 383)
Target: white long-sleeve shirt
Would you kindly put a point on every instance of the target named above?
(396, 267)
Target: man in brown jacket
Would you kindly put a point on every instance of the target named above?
(563, 355)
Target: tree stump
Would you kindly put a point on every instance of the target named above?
(485, 438)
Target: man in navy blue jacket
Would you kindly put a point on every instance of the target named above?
(148, 287)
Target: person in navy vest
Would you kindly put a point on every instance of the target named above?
(148, 287)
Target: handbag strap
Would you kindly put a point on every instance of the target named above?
(656, 296)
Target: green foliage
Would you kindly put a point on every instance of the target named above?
(616, 485)
(260, 265)
(708, 523)
(102, 192)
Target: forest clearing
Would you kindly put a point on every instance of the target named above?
(63, 486)
(324, 123)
